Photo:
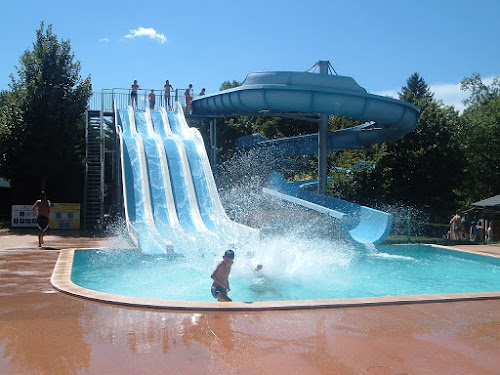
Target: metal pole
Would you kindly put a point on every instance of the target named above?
(211, 142)
(214, 150)
(323, 141)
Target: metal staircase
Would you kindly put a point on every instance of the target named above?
(93, 202)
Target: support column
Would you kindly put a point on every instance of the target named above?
(322, 154)
(323, 141)
(214, 147)
(213, 142)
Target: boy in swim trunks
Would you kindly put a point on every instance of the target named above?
(220, 286)
(41, 208)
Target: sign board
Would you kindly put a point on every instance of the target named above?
(22, 216)
(62, 216)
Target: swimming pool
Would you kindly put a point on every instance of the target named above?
(287, 275)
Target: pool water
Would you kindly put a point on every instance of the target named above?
(341, 272)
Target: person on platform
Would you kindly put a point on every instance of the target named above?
(152, 99)
(133, 94)
(188, 96)
(168, 88)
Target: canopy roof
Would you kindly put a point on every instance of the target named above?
(489, 202)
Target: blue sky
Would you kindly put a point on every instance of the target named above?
(379, 43)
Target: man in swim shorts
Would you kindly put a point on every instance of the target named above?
(41, 208)
(220, 286)
(133, 93)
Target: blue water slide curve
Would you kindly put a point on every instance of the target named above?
(358, 223)
(277, 93)
(309, 94)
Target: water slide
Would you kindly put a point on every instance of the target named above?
(358, 223)
(308, 94)
(170, 197)
(285, 93)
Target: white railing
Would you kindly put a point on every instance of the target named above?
(104, 99)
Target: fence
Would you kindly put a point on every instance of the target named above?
(104, 100)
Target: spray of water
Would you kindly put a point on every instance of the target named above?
(296, 245)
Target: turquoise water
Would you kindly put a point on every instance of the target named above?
(290, 274)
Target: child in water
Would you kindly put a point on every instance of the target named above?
(220, 286)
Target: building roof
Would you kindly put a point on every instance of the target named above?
(489, 202)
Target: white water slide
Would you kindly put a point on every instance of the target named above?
(171, 201)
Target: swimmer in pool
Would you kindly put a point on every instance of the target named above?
(220, 276)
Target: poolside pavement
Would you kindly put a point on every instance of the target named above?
(43, 331)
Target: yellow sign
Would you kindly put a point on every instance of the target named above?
(65, 216)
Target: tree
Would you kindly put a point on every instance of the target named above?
(480, 93)
(480, 137)
(52, 98)
(229, 85)
(415, 90)
(11, 126)
(422, 169)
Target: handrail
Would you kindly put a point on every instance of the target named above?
(103, 100)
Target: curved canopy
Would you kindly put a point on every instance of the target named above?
(302, 92)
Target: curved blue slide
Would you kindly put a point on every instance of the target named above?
(309, 94)
(359, 223)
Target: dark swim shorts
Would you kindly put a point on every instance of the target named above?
(133, 94)
(42, 222)
(218, 289)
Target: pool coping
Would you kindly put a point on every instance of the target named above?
(61, 280)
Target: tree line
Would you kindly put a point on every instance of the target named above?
(448, 162)
(42, 122)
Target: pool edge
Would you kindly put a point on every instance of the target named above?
(61, 281)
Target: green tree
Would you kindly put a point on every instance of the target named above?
(11, 126)
(480, 93)
(52, 98)
(424, 168)
(415, 90)
(229, 85)
(480, 138)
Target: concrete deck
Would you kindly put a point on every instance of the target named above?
(43, 331)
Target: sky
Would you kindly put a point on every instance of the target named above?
(378, 43)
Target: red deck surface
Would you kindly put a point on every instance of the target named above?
(43, 331)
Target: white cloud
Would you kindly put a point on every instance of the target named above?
(103, 40)
(450, 94)
(147, 32)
